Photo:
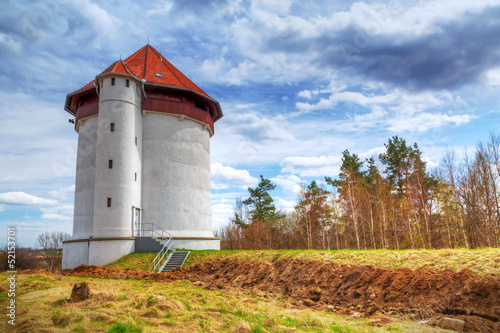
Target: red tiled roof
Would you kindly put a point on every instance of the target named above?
(145, 64)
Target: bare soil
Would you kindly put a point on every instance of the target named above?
(421, 294)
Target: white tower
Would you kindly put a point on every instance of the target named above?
(143, 158)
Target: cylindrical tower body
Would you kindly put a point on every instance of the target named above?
(118, 156)
(176, 188)
(85, 178)
(143, 161)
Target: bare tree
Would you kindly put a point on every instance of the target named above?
(51, 245)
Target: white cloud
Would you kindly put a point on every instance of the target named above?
(492, 77)
(311, 166)
(373, 152)
(21, 198)
(259, 127)
(397, 99)
(102, 22)
(225, 177)
(52, 216)
(221, 214)
(291, 184)
(286, 205)
(426, 121)
(416, 20)
(63, 192)
(14, 46)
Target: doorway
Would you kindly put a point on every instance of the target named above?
(137, 224)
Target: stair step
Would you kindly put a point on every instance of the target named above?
(176, 260)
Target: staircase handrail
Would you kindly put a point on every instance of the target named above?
(164, 237)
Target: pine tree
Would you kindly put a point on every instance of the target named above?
(261, 201)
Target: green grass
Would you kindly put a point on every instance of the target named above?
(481, 261)
(141, 261)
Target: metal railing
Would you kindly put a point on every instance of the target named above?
(154, 231)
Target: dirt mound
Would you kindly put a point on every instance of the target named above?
(127, 273)
(364, 289)
(349, 289)
(36, 271)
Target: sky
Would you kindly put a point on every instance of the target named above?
(299, 82)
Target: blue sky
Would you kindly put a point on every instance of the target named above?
(298, 82)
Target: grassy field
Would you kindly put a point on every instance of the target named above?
(481, 261)
(135, 306)
(42, 300)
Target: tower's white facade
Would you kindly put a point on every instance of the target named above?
(143, 157)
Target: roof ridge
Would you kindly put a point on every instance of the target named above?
(168, 64)
(145, 62)
(134, 54)
(128, 68)
(159, 55)
(109, 68)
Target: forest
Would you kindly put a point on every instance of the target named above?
(400, 205)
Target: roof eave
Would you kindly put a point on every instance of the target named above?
(206, 97)
(71, 95)
(116, 74)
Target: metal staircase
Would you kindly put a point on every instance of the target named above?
(176, 259)
(161, 236)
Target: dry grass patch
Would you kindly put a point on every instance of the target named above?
(481, 261)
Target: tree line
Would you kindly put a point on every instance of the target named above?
(402, 206)
(47, 253)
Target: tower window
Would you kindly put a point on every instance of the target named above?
(136, 176)
(136, 141)
(109, 202)
(127, 83)
(112, 81)
(112, 127)
(110, 164)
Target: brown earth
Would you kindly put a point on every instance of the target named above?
(350, 289)
(126, 273)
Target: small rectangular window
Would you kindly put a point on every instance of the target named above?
(136, 141)
(109, 202)
(127, 83)
(112, 81)
(112, 127)
(136, 176)
(110, 164)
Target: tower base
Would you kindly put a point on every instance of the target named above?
(95, 251)
(197, 243)
(102, 251)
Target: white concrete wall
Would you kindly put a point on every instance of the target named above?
(85, 179)
(104, 252)
(176, 189)
(197, 244)
(75, 254)
(122, 106)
